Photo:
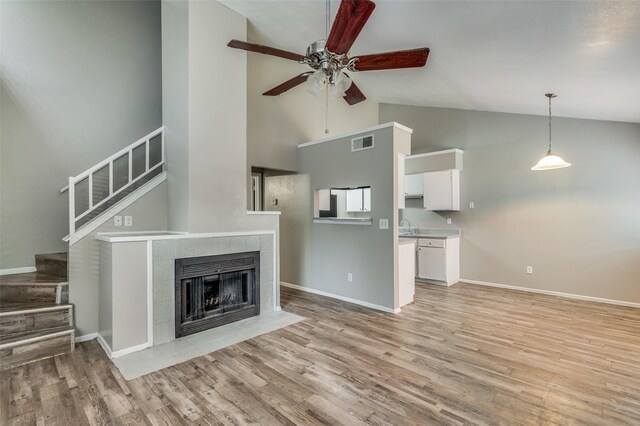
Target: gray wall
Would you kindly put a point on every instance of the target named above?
(175, 109)
(80, 80)
(129, 314)
(365, 251)
(294, 203)
(206, 118)
(578, 227)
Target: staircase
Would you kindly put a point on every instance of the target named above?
(36, 320)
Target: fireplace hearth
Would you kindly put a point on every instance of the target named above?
(211, 291)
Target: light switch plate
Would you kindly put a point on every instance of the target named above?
(128, 221)
(117, 221)
(384, 223)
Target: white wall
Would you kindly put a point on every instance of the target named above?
(80, 80)
(578, 227)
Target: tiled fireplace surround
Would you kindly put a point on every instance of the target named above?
(166, 251)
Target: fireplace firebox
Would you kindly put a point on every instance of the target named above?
(211, 291)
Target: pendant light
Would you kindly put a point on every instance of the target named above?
(550, 161)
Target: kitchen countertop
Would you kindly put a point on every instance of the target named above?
(441, 234)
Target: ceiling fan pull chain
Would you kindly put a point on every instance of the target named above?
(326, 111)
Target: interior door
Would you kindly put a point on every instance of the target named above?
(256, 191)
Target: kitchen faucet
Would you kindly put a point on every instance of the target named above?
(408, 222)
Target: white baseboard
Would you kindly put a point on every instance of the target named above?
(86, 337)
(553, 293)
(132, 349)
(344, 299)
(117, 354)
(104, 345)
(23, 270)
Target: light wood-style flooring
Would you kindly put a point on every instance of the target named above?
(459, 355)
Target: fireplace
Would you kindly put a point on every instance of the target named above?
(211, 291)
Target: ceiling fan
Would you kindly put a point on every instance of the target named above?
(330, 58)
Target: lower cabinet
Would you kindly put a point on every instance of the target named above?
(406, 273)
(439, 259)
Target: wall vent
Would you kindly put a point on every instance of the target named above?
(364, 142)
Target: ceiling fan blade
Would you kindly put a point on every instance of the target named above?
(413, 58)
(289, 84)
(353, 94)
(258, 48)
(350, 19)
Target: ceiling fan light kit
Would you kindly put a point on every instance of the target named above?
(330, 59)
(550, 161)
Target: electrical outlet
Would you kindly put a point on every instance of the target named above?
(529, 270)
(349, 277)
(117, 221)
(472, 205)
(128, 221)
(384, 224)
(448, 221)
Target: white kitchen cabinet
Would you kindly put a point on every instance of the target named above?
(366, 199)
(400, 181)
(406, 273)
(324, 199)
(413, 185)
(441, 190)
(439, 259)
(359, 200)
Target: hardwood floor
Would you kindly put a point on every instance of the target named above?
(459, 355)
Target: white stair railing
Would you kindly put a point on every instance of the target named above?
(134, 172)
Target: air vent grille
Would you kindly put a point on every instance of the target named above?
(361, 143)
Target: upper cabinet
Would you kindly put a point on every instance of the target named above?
(434, 177)
(441, 190)
(359, 200)
(413, 186)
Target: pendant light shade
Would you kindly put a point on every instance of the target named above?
(550, 161)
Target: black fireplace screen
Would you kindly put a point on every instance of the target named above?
(216, 294)
(216, 290)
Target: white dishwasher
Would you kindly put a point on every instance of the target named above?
(432, 259)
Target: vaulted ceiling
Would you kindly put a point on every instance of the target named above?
(485, 55)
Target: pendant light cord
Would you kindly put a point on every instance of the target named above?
(549, 124)
(326, 99)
